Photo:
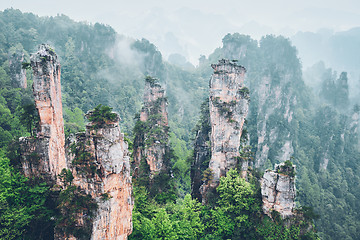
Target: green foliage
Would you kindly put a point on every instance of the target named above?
(237, 214)
(66, 176)
(316, 132)
(308, 213)
(207, 175)
(129, 142)
(154, 133)
(224, 108)
(151, 132)
(246, 155)
(29, 117)
(12, 124)
(237, 202)
(153, 64)
(101, 115)
(105, 196)
(90, 76)
(152, 81)
(287, 168)
(73, 203)
(169, 221)
(23, 205)
(73, 121)
(26, 65)
(162, 188)
(245, 93)
(335, 91)
(180, 164)
(83, 160)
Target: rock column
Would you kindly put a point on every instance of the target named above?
(46, 153)
(151, 142)
(278, 190)
(106, 177)
(228, 106)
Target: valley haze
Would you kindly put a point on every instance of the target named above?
(194, 28)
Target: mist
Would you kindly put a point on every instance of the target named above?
(194, 28)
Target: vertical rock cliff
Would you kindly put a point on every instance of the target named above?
(202, 151)
(104, 174)
(275, 80)
(151, 131)
(278, 190)
(17, 72)
(45, 155)
(228, 107)
(92, 175)
(274, 110)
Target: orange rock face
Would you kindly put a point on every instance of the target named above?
(228, 106)
(50, 142)
(110, 184)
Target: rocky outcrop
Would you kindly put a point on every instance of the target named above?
(228, 107)
(17, 72)
(45, 154)
(278, 190)
(97, 163)
(274, 79)
(151, 133)
(105, 176)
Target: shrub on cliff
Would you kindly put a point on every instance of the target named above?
(29, 117)
(287, 168)
(101, 115)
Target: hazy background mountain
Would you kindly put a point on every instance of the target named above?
(192, 28)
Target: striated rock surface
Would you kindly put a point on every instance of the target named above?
(228, 106)
(273, 101)
(106, 177)
(151, 140)
(45, 155)
(275, 80)
(17, 73)
(202, 152)
(98, 161)
(278, 190)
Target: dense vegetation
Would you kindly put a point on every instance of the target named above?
(237, 214)
(25, 206)
(94, 72)
(323, 129)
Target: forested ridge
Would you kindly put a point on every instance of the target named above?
(100, 66)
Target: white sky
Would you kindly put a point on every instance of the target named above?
(194, 27)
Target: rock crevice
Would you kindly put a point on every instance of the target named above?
(278, 190)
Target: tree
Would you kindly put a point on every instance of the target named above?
(230, 218)
(29, 117)
(23, 206)
(101, 115)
